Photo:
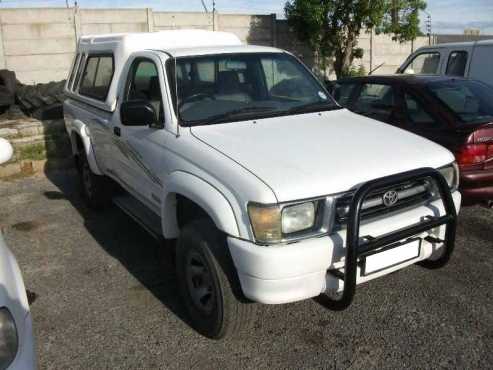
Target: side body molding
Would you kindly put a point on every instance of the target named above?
(212, 201)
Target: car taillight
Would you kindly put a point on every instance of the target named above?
(473, 153)
(489, 154)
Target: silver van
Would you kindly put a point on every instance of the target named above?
(465, 59)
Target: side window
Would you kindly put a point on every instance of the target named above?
(97, 77)
(416, 112)
(376, 101)
(144, 85)
(424, 63)
(74, 72)
(342, 93)
(456, 65)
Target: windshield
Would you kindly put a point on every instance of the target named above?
(235, 87)
(470, 101)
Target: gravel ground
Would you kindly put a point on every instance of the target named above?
(105, 301)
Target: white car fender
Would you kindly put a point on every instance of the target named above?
(212, 201)
(79, 128)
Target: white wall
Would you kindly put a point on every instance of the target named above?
(39, 44)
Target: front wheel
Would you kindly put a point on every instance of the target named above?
(209, 283)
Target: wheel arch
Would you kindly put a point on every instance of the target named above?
(184, 186)
(81, 141)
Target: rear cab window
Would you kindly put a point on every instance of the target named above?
(98, 74)
(456, 64)
(426, 63)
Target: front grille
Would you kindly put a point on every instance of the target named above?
(411, 193)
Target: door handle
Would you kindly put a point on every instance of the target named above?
(117, 131)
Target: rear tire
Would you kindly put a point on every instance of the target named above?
(95, 190)
(209, 284)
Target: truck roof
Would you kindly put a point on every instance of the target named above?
(458, 44)
(127, 43)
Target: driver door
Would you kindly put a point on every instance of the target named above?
(139, 149)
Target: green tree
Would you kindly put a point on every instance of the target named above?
(331, 27)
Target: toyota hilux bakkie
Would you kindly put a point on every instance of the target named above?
(264, 188)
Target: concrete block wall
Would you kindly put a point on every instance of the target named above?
(169, 21)
(39, 44)
(103, 21)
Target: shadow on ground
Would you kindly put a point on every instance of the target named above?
(122, 238)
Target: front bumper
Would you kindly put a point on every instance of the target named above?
(297, 271)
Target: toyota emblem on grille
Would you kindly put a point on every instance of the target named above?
(390, 198)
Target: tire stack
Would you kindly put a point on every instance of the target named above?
(42, 101)
(7, 89)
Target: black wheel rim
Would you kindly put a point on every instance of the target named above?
(199, 282)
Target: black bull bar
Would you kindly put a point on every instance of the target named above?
(356, 249)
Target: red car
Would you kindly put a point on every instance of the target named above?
(454, 112)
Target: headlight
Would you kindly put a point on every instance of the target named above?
(298, 218)
(9, 342)
(272, 224)
(451, 174)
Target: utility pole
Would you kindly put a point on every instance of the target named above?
(428, 26)
(213, 15)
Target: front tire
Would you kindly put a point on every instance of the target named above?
(209, 284)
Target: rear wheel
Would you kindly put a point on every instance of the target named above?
(94, 189)
(209, 283)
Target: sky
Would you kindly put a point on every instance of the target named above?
(448, 16)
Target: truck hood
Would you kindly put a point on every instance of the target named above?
(316, 154)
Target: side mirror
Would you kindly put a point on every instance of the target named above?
(138, 113)
(6, 151)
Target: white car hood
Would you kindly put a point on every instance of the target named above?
(315, 154)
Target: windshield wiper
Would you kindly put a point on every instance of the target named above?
(313, 107)
(233, 114)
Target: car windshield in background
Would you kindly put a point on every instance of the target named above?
(471, 101)
(235, 87)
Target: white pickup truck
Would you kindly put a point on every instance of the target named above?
(266, 189)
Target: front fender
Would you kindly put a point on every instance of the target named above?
(208, 197)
